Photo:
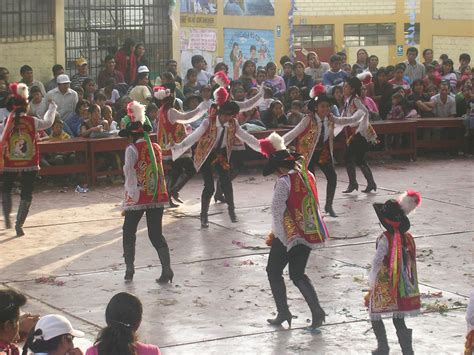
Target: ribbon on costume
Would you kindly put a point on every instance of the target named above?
(3, 141)
(154, 167)
(396, 259)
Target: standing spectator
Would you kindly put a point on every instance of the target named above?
(58, 69)
(261, 76)
(123, 316)
(38, 104)
(75, 121)
(315, 68)
(168, 78)
(283, 60)
(112, 95)
(373, 63)
(301, 80)
(428, 58)
(172, 67)
(463, 100)
(414, 70)
(64, 97)
(108, 72)
(82, 73)
(249, 74)
(5, 75)
(444, 104)
(221, 66)
(126, 62)
(140, 55)
(287, 73)
(199, 63)
(335, 76)
(382, 92)
(361, 63)
(432, 76)
(191, 85)
(275, 117)
(343, 57)
(141, 91)
(27, 78)
(419, 100)
(398, 81)
(390, 71)
(276, 81)
(448, 75)
(89, 87)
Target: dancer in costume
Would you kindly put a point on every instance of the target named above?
(171, 130)
(297, 228)
(145, 192)
(20, 153)
(393, 278)
(314, 137)
(358, 143)
(215, 138)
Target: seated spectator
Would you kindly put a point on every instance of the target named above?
(111, 95)
(123, 316)
(57, 132)
(121, 108)
(168, 78)
(444, 104)
(206, 92)
(153, 114)
(419, 100)
(140, 90)
(295, 114)
(373, 64)
(221, 66)
(315, 68)
(252, 117)
(361, 62)
(274, 117)
(464, 72)
(249, 75)
(95, 125)
(448, 75)
(347, 68)
(335, 76)
(432, 77)
(293, 93)
(80, 92)
(89, 87)
(238, 94)
(343, 57)
(267, 100)
(382, 92)
(274, 80)
(81, 74)
(199, 63)
(5, 75)
(287, 72)
(370, 104)
(191, 86)
(192, 102)
(58, 69)
(261, 76)
(100, 99)
(109, 72)
(463, 100)
(397, 112)
(38, 104)
(301, 80)
(398, 81)
(53, 334)
(108, 115)
(64, 97)
(431, 90)
(27, 78)
(76, 120)
(338, 94)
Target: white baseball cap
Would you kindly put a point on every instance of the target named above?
(143, 69)
(63, 79)
(54, 325)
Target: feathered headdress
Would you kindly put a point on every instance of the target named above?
(221, 79)
(317, 90)
(19, 90)
(365, 77)
(221, 95)
(409, 201)
(273, 143)
(161, 93)
(136, 112)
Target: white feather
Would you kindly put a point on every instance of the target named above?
(277, 141)
(162, 94)
(362, 76)
(408, 203)
(22, 90)
(138, 112)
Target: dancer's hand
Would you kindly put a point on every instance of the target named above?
(27, 322)
(331, 118)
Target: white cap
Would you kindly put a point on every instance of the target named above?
(143, 69)
(63, 79)
(54, 325)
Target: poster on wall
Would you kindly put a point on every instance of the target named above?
(208, 7)
(249, 7)
(241, 45)
(194, 41)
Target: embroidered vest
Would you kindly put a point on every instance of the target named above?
(302, 223)
(307, 141)
(208, 139)
(21, 151)
(168, 133)
(146, 180)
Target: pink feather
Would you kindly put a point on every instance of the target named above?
(266, 147)
(221, 79)
(317, 90)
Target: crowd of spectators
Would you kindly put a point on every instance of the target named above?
(95, 107)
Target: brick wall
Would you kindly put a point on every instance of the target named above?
(345, 8)
(453, 10)
(38, 54)
(453, 47)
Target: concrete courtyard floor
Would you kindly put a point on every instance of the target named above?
(220, 297)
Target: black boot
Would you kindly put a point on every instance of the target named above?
(351, 173)
(166, 272)
(129, 256)
(371, 185)
(23, 210)
(180, 182)
(219, 194)
(381, 335)
(204, 211)
(279, 295)
(232, 215)
(7, 208)
(309, 294)
(405, 340)
(330, 191)
(169, 182)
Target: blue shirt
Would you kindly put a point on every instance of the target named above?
(330, 78)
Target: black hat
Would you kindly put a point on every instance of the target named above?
(354, 83)
(229, 108)
(394, 212)
(274, 148)
(137, 125)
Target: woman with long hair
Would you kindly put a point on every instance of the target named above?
(249, 75)
(361, 63)
(123, 316)
(125, 61)
(140, 55)
(20, 153)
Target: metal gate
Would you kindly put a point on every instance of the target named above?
(96, 28)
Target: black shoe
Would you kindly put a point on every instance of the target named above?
(232, 215)
(204, 221)
(166, 276)
(23, 210)
(175, 195)
(405, 340)
(330, 211)
(172, 204)
(370, 188)
(309, 293)
(351, 188)
(381, 350)
(280, 318)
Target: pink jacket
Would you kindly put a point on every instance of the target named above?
(142, 349)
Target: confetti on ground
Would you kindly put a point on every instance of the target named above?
(49, 280)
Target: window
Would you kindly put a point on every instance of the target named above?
(26, 18)
(317, 36)
(408, 30)
(369, 34)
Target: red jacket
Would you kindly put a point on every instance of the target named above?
(127, 65)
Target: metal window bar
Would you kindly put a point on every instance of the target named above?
(96, 28)
(369, 34)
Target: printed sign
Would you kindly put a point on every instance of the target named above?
(198, 38)
(399, 50)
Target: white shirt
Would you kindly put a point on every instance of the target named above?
(66, 102)
(443, 109)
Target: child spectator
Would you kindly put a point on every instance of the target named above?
(169, 78)
(338, 95)
(292, 94)
(57, 133)
(267, 100)
(95, 125)
(275, 80)
(370, 104)
(88, 85)
(80, 93)
(397, 112)
(250, 118)
(80, 115)
(346, 68)
(419, 100)
(123, 316)
(432, 76)
(221, 66)
(390, 71)
(275, 117)
(111, 94)
(448, 75)
(301, 80)
(295, 115)
(152, 112)
(100, 99)
(199, 63)
(335, 76)
(287, 72)
(238, 94)
(315, 68)
(141, 91)
(444, 104)
(431, 90)
(261, 76)
(108, 115)
(121, 108)
(398, 81)
(191, 86)
(38, 104)
(464, 71)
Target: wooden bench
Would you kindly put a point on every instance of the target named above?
(446, 141)
(406, 128)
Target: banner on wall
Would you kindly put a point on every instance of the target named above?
(194, 41)
(199, 6)
(249, 7)
(241, 45)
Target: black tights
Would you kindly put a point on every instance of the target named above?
(399, 324)
(27, 182)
